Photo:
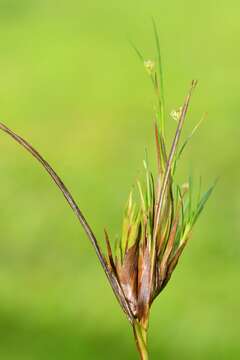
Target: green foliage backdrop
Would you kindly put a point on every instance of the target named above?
(72, 85)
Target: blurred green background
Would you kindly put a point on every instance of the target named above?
(72, 85)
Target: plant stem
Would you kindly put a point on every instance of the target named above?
(140, 335)
(66, 193)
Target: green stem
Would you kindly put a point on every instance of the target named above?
(140, 335)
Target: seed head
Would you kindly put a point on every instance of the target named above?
(176, 114)
(149, 66)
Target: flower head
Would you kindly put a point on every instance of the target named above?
(176, 113)
(149, 66)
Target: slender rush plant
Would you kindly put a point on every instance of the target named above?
(156, 227)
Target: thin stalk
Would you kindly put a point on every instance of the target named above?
(160, 197)
(116, 287)
(160, 73)
(140, 335)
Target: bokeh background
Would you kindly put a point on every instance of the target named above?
(71, 84)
